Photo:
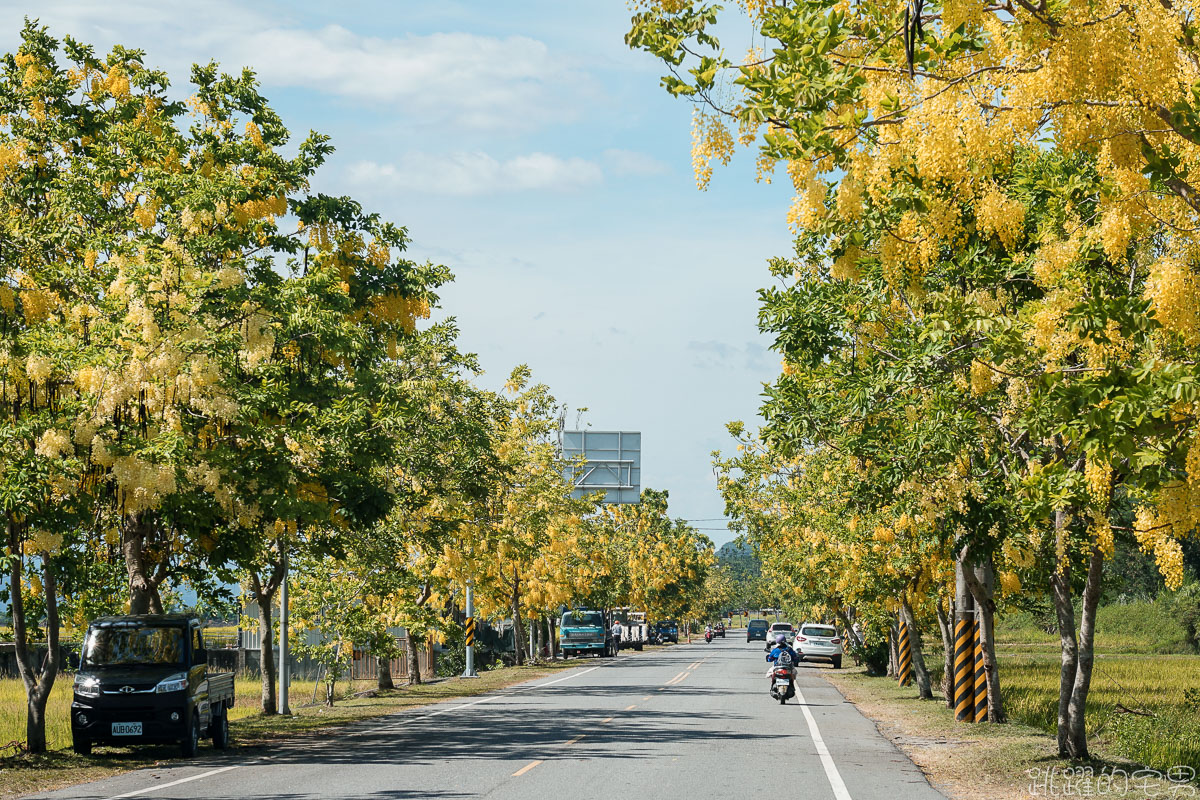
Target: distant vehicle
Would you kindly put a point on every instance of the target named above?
(668, 631)
(819, 641)
(786, 628)
(583, 631)
(144, 679)
(756, 629)
(635, 632)
(719, 629)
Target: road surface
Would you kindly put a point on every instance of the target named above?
(691, 721)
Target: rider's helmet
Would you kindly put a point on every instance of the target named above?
(780, 639)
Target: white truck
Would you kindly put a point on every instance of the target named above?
(635, 632)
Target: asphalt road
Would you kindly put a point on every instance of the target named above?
(693, 721)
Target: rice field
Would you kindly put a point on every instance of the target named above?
(1138, 705)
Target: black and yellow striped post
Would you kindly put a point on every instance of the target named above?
(964, 670)
(904, 673)
(469, 670)
(981, 696)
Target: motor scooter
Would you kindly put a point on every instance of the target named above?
(708, 637)
(783, 679)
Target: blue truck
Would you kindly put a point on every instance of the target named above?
(584, 631)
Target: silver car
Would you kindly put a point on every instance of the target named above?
(819, 641)
(786, 628)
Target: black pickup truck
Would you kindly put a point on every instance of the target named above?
(144, 679)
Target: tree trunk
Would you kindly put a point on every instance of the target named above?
(414, 659)
(985, 603)
(1060, 586)
(266, 651)
(947, 630)
(1076, 709)
(385, 673)
(518, 631)
(893, 670)
(135, 530)
(264, 595)
(851, 634)
(38, 680)
(918, 655)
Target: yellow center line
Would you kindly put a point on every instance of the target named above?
(684, 678)
(662, 688)
(576, 739)
(647, 697)
(606, 719)
(526, 768)
(677, 677)
(630, 708)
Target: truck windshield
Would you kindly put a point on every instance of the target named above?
(106, 647)
(583, 619)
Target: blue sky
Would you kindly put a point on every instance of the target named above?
(525, 147)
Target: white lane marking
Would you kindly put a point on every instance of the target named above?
(158, 786)
(831, 770)
(560, 680)
(416, 717)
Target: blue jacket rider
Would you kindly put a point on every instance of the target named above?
(781, 646)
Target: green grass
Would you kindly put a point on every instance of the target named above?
(1139, 627)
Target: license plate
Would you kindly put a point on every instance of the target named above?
(127, 729)
(781, 681)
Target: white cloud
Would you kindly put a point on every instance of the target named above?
(477, 173)
(461, 79)
(631, 162)
(476, 81)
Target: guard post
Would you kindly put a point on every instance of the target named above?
(469, 670)
(981, 695)
(905, 656)
(964, 648)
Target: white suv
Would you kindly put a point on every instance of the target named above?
(786, 628)
(819, 641)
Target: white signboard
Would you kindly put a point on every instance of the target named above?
(612, 463)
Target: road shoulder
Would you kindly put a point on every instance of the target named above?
(964, 760)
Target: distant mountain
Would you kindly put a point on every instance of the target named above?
(740, 559)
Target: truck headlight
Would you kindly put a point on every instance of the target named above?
(172, 683)
(87, 685)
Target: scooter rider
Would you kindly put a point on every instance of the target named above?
(781, 646)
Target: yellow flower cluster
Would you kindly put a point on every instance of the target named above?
(54, 444)
(1000, 215)
(42, 541)
(396, 308)
(142, 484)
(260, 209)
(1174, 294)
(983, 378)
(710, 139)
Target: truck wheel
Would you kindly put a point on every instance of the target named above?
(837, 662)
(191, 742)
(220, 731)
(81, 746)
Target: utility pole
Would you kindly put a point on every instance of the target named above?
(469, 671)
(284, 678)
